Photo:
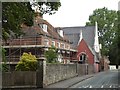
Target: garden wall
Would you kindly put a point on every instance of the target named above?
(58, 72)
(45, 75)
(18, 78)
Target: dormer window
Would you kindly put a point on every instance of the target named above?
(44, 27)
(61, 33)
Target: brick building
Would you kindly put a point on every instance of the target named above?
(37, 39)
(85, 40)
(104, 63)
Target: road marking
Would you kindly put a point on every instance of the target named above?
(85, 86)
(90, 86)
(102, 86)
(110, 86)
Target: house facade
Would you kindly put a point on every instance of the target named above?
(84, 54)
(85, 40)
(37, 39)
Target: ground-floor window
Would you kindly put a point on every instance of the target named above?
(82, 58)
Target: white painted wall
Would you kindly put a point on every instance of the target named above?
(112, 67)
(118, 67)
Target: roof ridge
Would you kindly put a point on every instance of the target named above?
(75, 27)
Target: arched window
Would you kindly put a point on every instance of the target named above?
(83, 58)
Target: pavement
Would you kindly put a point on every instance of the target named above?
(69, 82)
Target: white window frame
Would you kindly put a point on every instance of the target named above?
(46, 42)
(67, 46)
(63, 45)
(53, 43)
(44, 27)
(58, 44)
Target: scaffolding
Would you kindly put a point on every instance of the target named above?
(16, 46)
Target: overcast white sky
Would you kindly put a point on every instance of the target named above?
(76, 12)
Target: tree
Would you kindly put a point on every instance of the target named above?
(48, 7)
(113, 52)
(118, 38)
(114, 48)
(4, 66)
(28, 62)
(14, 14)
(51, 55)
(107, 26)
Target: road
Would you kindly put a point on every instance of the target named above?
(108, 79)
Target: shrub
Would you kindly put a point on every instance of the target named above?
(3, 66)
(51, 55)
(28, 62)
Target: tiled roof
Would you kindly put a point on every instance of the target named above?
(36, 30)
(73, 34)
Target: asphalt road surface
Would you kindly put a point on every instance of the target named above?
(108, 79)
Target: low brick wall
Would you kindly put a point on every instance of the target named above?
(58, 72)
(20, 78)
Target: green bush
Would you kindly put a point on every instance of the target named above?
(3, 66)
(51, 55)
(28, 62)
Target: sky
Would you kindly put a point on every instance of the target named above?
(76, 12)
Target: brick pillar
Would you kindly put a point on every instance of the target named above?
(39, 74)
(86, 69)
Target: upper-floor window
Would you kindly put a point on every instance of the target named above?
(46, 42)
(63, 45)
(58, 44)
(53, 43)
(44, 27)
(68, 46)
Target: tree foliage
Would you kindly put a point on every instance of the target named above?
(4, 66)
(16, 13)
(118, 39)
(28, 62)
(51, 55)
(51, 7)
(113, 52)
(13, 15)
(114, 48)
(107, 26)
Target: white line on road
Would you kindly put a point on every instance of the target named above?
(110, 86)
(102, 86)
(85, 86)
(90, 86)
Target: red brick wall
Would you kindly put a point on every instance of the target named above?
(84, 48)
(96, 67)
